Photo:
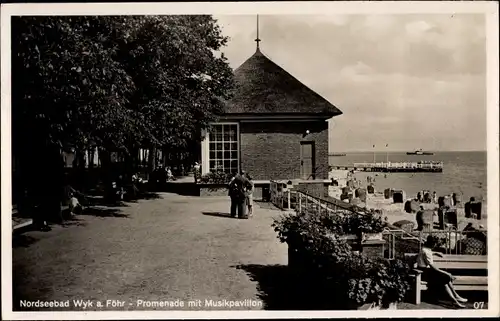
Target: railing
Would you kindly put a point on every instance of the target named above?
(280, 195)
(398, 241)
(450, 241)
(286, 198)
(307, 202)
(409, 165)
(459, 242)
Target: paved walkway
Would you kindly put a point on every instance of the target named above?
(176, 247)
(171, 248)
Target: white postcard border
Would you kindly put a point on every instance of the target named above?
(490, 9)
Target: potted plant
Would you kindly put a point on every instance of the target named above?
(216, 177)
(308, 235)
(214, 183)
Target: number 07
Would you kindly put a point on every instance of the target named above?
(479, 305)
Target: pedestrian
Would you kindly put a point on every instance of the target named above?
(197, 171)
(249, 199)
(168, 174)
(237, 187)
(434, 197)
(420, 219)
(74, 205)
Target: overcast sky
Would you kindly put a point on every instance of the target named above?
(410, 81)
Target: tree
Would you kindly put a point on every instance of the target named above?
(180, 80)
(114, 82)
(68, 91)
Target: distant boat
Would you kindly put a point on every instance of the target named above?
(419, 152)
(338, 154)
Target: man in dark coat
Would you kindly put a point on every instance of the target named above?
(237, 188)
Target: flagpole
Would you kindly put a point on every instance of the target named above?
(374, 154)
(386, 154)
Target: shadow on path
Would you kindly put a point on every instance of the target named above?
(73, 221)
(127, 198)
(180, 188)
(99, 201)
(266, 205)
(281, 290)
(103, 212)
(218, 214)
(22, 240)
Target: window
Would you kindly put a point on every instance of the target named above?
(223, 148)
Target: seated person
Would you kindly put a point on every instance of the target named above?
(434, 276)
(74, 205)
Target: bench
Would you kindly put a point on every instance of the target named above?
(453, 263)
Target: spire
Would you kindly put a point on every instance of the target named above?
(257, 40)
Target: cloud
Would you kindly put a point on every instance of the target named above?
(421, 75)
(417, 29)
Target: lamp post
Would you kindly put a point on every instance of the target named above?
(386, 154)
(374, 154)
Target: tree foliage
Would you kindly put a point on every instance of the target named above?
(117, 82)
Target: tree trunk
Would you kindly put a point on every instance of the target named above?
(51, 186)
(164, 156)
(106, 173)
(81, 169)
(91, 155)
(152, 160)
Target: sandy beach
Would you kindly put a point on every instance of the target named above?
(395, 212)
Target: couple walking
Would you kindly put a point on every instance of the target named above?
(241, 194)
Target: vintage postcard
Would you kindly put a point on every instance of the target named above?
(250, 160)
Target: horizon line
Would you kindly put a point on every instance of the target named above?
(405, 151)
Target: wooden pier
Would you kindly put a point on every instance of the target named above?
(398, 167)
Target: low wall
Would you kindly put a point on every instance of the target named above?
(213, 189)
(317, 189)
(222, 190)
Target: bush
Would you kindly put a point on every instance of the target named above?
(316, 236)
(377, 281)
(217, 177)
(358, 223)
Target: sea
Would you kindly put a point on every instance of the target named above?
(464, 173)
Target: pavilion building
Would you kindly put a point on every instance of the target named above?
(274, 127)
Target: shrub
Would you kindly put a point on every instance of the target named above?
(378, 281)
(331, 261)
(358, 223)
(217, 177)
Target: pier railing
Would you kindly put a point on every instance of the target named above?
(401, 165)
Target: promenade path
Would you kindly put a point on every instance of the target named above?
(173, 247)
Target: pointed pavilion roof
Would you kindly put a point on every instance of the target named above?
(264, 88)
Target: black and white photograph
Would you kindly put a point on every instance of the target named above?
(201, 159)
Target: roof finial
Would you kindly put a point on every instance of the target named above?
(257, 40)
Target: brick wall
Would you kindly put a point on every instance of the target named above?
(318, 189)
(272, 150)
